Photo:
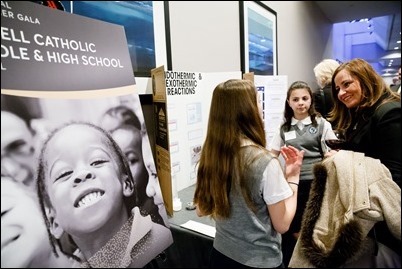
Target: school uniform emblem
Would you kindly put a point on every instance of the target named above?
(312, 130)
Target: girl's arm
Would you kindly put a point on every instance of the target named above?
(282, 212)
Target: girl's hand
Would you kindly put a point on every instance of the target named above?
(293, 160)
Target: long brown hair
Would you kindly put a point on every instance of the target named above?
(373, 89)
(234, 114)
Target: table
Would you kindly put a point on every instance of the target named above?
(189, 249)
(179, 217)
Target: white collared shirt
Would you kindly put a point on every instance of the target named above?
(276, 142)
(301, 123)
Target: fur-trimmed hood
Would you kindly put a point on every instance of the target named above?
(349, 194)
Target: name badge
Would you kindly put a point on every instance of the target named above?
(290, 135)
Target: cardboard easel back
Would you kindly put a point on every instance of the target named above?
(162, 136)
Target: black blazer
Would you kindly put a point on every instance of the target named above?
(323, 101)
(377, 133)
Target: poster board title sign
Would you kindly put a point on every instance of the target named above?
(181, 83)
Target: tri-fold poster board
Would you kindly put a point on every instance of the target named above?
(181, 110)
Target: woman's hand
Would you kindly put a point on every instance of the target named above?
(293, 160)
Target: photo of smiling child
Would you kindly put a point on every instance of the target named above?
(96, 185)
(86, 190)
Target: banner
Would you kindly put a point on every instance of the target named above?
(79, 185)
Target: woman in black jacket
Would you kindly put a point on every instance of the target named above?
(370, 113)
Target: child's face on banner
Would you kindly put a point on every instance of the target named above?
(17, 149)
(130, 141)
(22, 227)
(83, 180)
